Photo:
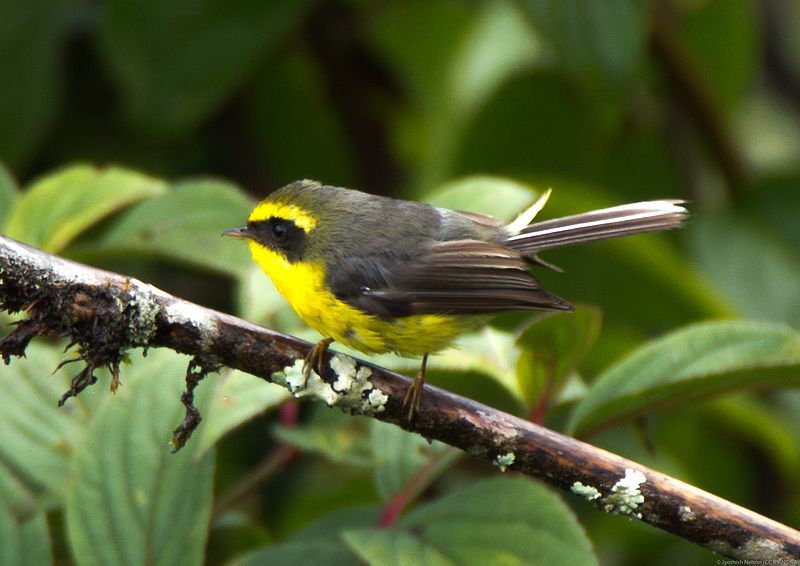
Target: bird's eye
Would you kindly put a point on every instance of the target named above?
(279, 231)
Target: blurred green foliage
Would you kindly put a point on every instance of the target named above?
(682, 356)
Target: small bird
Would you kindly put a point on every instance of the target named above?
(386, 275)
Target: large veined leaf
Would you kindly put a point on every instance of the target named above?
(700, 361)
(62, 205)
(37, 438)
(25, 542)
(237, 398)
(318, 544)
(132, 501)
(186, 224)
(395, 548)
(332, 434)
(501, 520)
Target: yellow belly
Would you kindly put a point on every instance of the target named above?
(302, 284)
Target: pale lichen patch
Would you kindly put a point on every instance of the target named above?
(142, 325)
(352, 390)
(503, 461)
(314, 387)
(686, 514)
(377, 401)
(586, 491)
(345, 369)
(625, 496)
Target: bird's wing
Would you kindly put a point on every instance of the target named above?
(454, 277)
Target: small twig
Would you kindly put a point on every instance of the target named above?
(16, 342)
(84, 379)
(130, 314)
(199, 367)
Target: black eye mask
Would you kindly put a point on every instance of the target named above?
(281, 235)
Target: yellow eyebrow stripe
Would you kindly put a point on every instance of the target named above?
(302, 218)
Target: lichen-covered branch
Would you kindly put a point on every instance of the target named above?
(104, 314)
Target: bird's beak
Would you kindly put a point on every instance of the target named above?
(242, 232)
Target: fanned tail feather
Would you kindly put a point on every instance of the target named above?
(608, 223)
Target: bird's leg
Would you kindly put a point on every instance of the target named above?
(313, 361)
(414, 392)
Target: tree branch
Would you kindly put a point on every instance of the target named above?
(105, 314)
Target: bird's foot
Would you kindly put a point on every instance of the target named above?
(413, 395)
(314, 359)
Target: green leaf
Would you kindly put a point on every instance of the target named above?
(380, 548)
(700, 361)
(30, 37)
(186, 224)
(9, 193)
(495, 196)
(762, 287)
(237, 398)
(38, 438)
(552, 346)
(339, 438)
(593, 42)
(495, 47)
(146, 45)
(501, 520)
(317, 544)
(398, 457)
(25, 542)
(133, 501)
(491, 354)
(322, 552)
(62, 205)
(19, 499)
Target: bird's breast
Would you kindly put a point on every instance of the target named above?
(303, 286)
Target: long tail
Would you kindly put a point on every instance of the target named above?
(636, 218)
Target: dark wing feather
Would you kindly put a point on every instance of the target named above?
(455, 277)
